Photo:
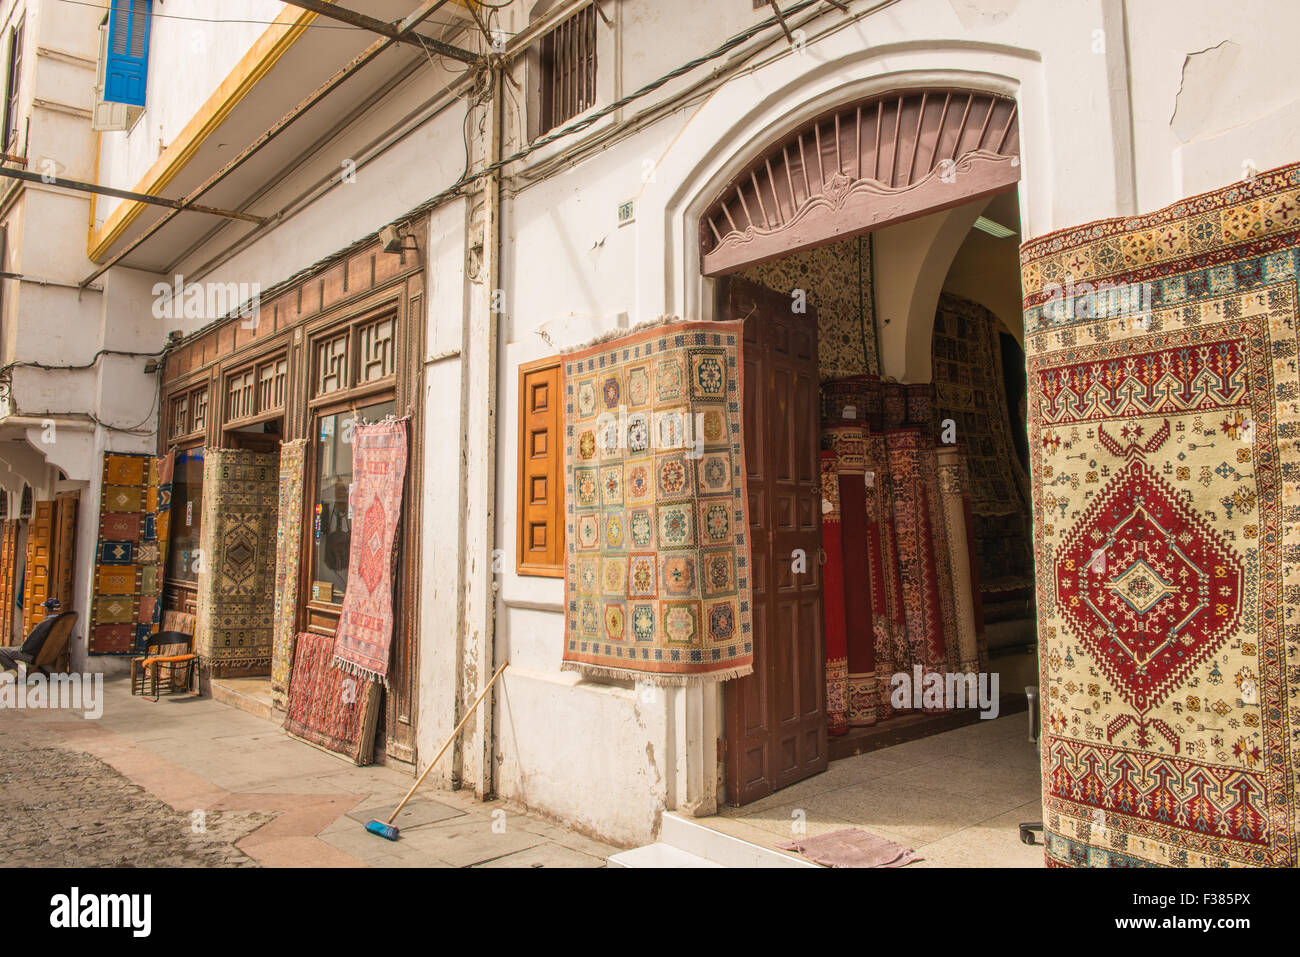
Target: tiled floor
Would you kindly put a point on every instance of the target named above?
(957, 798)
(279, 802)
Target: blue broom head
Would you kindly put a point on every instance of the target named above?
(386, 831)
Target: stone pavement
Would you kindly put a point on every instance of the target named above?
(192, 782)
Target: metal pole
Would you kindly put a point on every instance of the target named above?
(365, 22)
(176, 204)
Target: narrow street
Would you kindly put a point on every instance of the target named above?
(191, 782)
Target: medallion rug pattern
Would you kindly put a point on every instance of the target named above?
(236, 595)
(1165, 437)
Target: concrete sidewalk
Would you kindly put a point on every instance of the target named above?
(191, 781)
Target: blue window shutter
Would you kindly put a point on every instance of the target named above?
(128, 52)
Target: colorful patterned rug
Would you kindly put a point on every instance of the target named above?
(1165, 438)
(923, 556)
(833, 625)
(236, 593)
(328, 707)
(288, 559)
(131, 552)
(970, 391)
(365, 630)
(657, 577)
(836, 278)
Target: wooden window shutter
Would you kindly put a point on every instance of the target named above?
(541, 470)
(126, 70)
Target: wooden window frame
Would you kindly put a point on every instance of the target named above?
(351, 331)
(191, 435)
(554, 567)
(254, 365)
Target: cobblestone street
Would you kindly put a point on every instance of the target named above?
(188, 782)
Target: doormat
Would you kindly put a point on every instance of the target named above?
(852, 847)
(288, 561)
(328, 707)
(657, 573)
(1162, 426)
(130, 553)
(365, 629)
(236, 593)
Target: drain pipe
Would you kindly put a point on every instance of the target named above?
(481, 439)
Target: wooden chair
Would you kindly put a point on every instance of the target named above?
(171, 649)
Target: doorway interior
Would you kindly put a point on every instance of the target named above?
(819, 306)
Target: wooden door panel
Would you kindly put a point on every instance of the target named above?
(40, 532)
(776, 730)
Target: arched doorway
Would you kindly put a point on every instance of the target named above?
(791, 240)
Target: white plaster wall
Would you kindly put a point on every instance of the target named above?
(1215, 86)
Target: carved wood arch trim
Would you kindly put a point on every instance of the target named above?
(882, 160)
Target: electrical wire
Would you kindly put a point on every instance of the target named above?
(270, 23)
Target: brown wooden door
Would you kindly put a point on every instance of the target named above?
(40, 535)
(776, 717)
(8, 575)
(64, 547)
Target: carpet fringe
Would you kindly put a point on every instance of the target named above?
(660, 680)
(613, 334)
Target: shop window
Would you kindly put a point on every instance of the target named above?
(540, 547)
(568, 68)
(25, 504)
(331, 515)
(187, 506)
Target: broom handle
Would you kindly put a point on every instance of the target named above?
(463, 721)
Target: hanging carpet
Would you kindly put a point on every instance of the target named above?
(130, 552)
(1165, 441)
(288, 555)
(837, 648)
(236, 593)
(657, 577)
(365, 631)
(847, 442)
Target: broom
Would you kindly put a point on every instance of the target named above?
(386, 829)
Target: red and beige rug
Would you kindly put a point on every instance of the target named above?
(365, 631)
(329, 707)
(1165, 437)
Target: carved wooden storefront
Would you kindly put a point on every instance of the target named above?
(342, 345)
(881, 161)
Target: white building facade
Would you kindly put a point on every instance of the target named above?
(1120, 107)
